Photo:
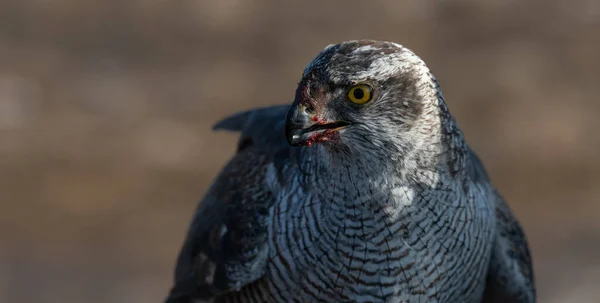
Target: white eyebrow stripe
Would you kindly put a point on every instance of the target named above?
(386, 66)
(365, 48)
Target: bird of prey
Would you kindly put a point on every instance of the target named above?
(362, 190)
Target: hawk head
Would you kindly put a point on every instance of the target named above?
(365, 95)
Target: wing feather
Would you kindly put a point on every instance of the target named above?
(510, 274)
(226, 245)
(263, 127)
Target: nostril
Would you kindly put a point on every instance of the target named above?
(309, 108)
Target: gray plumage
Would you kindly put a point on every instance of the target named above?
(375, 202)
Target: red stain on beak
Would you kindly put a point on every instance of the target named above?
(308, 120)
(323, 136)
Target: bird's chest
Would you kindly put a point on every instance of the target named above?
(387, 249)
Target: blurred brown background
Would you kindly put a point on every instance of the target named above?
(106, 108)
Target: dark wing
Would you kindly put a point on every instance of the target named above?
(510, 274)
(226, 245)
(262, 127)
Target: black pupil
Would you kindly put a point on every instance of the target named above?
(359, 93)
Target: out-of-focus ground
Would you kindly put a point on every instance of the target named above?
(106, 109)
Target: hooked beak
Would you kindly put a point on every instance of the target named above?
(303, 127)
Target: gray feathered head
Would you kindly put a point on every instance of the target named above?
(366, 95)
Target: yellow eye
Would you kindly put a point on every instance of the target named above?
(360, 94)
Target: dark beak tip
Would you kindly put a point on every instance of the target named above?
(293, 138)
(289, 133)
(292, 127)
(290, 140)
